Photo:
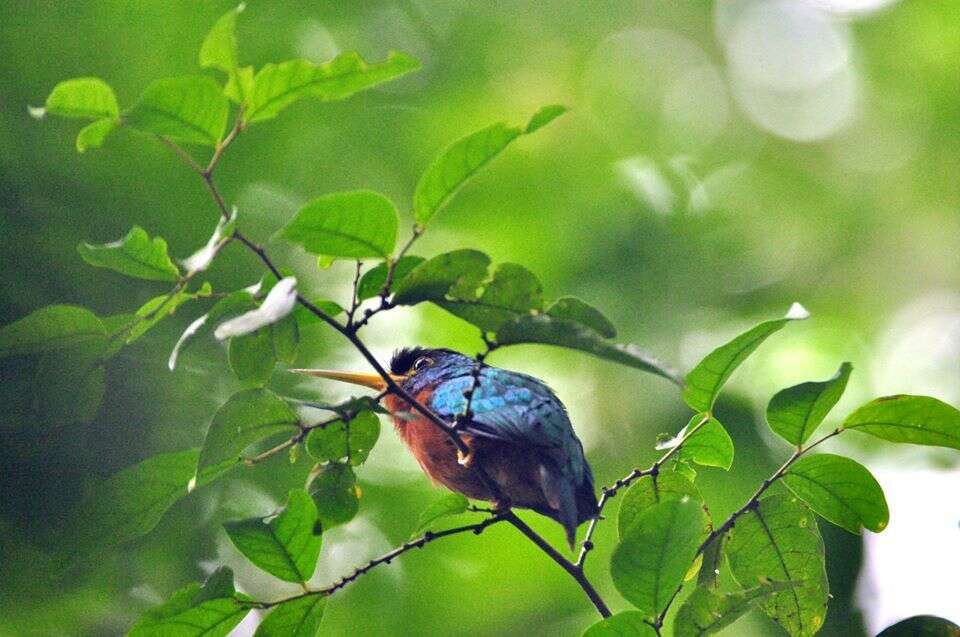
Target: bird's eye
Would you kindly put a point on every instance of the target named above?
(422, 363)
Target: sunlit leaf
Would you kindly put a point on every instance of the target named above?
(288, 545)
(50, 328)
(544, 116)
(629, 623)
(573, 309)
(708, 611)
(796, 412)
(651, 490)
(919, 420)
(704, 381)
(219, 51)
(922, 626)
(83, 97)
(347, 224)
(93, 134)
(276, 86)
(297, 618)
(434, 279)
(446, 505)
(136, 255)
(374, 279)
(160, 307)
(778, 541)
(345, 439)
(709, 446)
(655, 552)
(190, 109)
(212, 610)
(841, 490)
(336, 494)
(247, 417)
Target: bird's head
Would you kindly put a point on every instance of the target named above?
(413, 368)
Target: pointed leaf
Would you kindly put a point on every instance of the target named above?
(446, 505)
(841, 490)
(347, 224)
(919, 420)
(707, 611)
(374, 279)
(630, 623)
(160, 307)
(248, 417)
(778, 540)
(135, 255)
(85, 97)
(219, 51)
(573, 309)
(190, 109)
(796, 412)
(544, 116)
(655, 552)
(345, 439)
(704, 382)
(297, 618)
(336, 494)
(50, 328)
(277, 86)
(434, 279)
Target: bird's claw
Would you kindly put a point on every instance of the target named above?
(465, 459)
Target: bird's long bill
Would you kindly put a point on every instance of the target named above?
(374, 381)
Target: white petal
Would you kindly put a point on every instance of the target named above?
(37, 112)
(797, 312)
(279, 303)
(187, 333)
(201, 259)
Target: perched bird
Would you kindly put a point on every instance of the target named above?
(518, 433)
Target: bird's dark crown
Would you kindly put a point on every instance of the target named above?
(403, 359)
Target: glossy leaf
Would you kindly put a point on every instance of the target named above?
(436, 278)
(919, 420)
(922, 626)
(549, 330)
(513, 291)
(252, 358)
(93, 134)
(296, 618)
(709, 446)
(247, 417)
(629, 623)
(708, 611)
(446, 505)
(277, 86)
(796, 412)
(212, 610)
(778, 541)
(288, 545)
(457, 163)
(354, 224)
(651, 490)
(50, 328)
(655, 553)
(374, 279)
(83, 97)
(336, 494)
(190, 109)
(705, 381)
(345, 439)
(573, 309)
(841, 490)
(135, 255)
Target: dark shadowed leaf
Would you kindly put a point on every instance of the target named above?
(336, 494)
(69, 384)
(190, 109)
(433, 280)
(252, 357)
(655, 552)
(345, 439)
(629, 623)
(50, 328)
(288, 545)
(83, 97)
(919, 420)
(708, 611)
(276, 86)
(778, 541)
(297, 618)
(841, 490)
(513, 291)
(305, 317)
(651, 490)
(446, 505)
(922, 626)
(573, 309)
(704, 381)
(135, 255)
(796, 412)
(374, 279)
(248, 417)
(347, 224)
(212, 610)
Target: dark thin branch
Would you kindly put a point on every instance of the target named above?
(354, 302)
(385, 291)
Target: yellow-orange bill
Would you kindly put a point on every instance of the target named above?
(374, 381)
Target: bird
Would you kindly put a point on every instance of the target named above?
(518, 433)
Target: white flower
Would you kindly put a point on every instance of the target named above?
(279, 303)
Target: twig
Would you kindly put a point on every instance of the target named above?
(384, 294)
(354, 303)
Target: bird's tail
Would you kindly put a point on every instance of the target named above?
(572, 503)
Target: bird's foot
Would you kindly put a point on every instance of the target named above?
(465, 459)
(501, 506)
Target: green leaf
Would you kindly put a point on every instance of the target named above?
(190, 109)
(160, 307)
(219, 51)
(299, 617)
(135, 255)
(277, 86)
(247, 417)
(446, 505)
(573, 309)
(629, 623)
(513, 291)
(84, 97)
(69, 384)
(252, 357)
(796, 412)
(347, 224)
(374, 279)
(287, 546)
(778, 541)
(922, 626)
(286, 339)
(709, 446)
(305, 317)
(194, 611)
(457, 163)
(336, 494)
(50, 328)
(350, 439)
(655, 552)
(549, 330)
(704, 382)
(544, 116)
(919, 420)
(93, 134)
(231, 305)
(708, 611)
(436, 278)
(651, 490)
(841, 490)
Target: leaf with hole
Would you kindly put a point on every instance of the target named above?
(135, 255)
(356, 224)
(190, 109)
(918, 420)
(796, 412)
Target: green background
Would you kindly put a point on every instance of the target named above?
(860, 227)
